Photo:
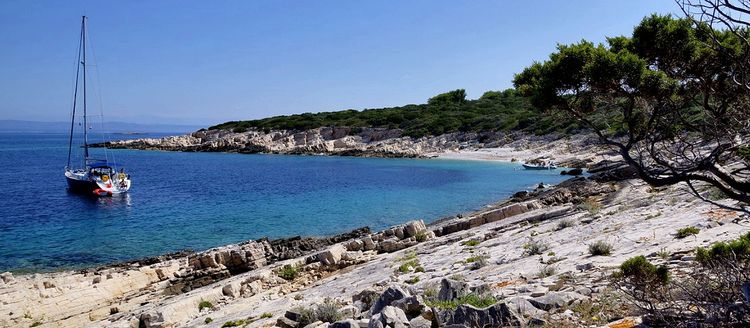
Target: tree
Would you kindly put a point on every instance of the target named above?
(457, 96)
(665, 98)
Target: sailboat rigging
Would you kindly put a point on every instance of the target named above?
(96, 176)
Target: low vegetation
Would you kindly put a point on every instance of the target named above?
(591, 205)
(326, 312)
(686, 231)
(600, 248)
(410, 262)
(707, 293)
(444, 113)
(534, 247)
(288, 272)
(478, 261)
(565, 223)
(475, 300)
(471, 243)
(205, 305)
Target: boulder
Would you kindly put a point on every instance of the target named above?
(231, 290)
(451, 289)
(390, 295)
(349, 323)
(411, 305)
(498, 315)
(151, 320)
(351, 255)
(391, 317)
(420, 322)
(413, 228)
(555, 300)
(523, 307)
(368, 244)
(332, 255)
(285, 322)
(349, 311)
(6, 277)
(391, 245)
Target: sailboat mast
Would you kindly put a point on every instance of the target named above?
(85, 124)
(75, 97)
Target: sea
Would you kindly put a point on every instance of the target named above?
(187, 200)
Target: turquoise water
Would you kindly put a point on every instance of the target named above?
(201, 200)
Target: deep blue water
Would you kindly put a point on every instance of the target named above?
(201, 200)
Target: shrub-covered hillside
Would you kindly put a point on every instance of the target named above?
(444, 113)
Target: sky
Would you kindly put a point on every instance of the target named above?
(206, 62)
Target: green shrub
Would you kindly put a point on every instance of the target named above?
(205, 305)
(566, 223)
(734, 250)
(412, 280)
(288, 272)
(208, 320)
(421, 237)
(478, 261)
(591, 205)
(471, 243)
(409, 262)
(534, 248)
(600, 248)
(686, 231)
(235, 323)
(266, 315)
(640, 268)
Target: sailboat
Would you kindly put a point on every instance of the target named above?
(94, 176)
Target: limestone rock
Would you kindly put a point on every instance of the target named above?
(389, 317)
(451, 289)
(151, 320)
(389, 296)
(498, 315)
(349, 311)
(411, 305)
(231, 290)
(555, 300)
(332, 255)
(368, 244)
(7, 277)
(349, 323)
(420, 322)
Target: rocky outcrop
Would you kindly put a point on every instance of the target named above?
(367, 142)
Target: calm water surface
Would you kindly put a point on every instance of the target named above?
(202, 200)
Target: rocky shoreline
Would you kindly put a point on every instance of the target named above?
(344, 141)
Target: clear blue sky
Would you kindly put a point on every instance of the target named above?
(192, 62)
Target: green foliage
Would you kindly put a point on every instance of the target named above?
(686, 231)
(288, 272)
(475, 300)
(205, 305)
(478, 261)
(534, 248)
(641, 269)
(715, 194)
(409, 262)
(266, 315)
(234, 323)
(591, 205)
(744, 152)
(565, 223)
(471, 243)
(420, 237)
(738, 249)
(457, 96)
(494, 111)
(412, 280)
(600, 248)
(208, 320)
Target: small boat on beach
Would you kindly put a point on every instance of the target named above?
(540, 166)
(98, 177)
